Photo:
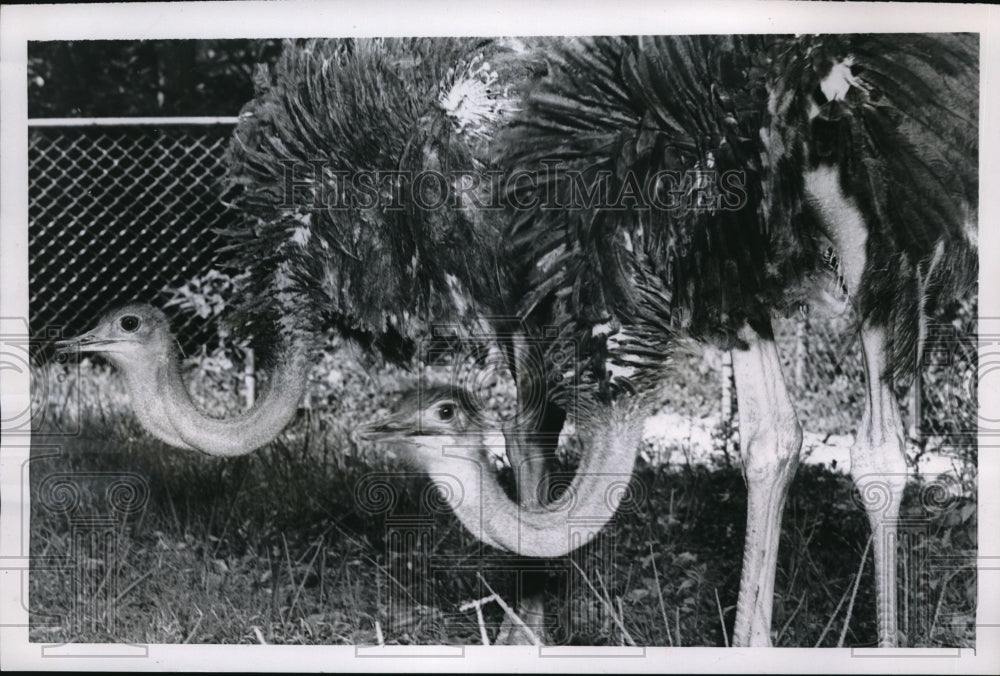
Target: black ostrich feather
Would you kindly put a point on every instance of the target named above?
(383, 276)
(905, 140)
(350, 247)
(616, 113)
(655, 186)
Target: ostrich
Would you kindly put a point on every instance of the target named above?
(864, 144)
(324, 257)
(321, 256)
(772, 149)
(664, 185)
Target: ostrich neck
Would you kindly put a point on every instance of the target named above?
(164, 406)
(147, 394)
(465, 478)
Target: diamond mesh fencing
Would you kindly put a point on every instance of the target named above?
(120, 214)
(821, 357)
(948, 397)
(822, 362)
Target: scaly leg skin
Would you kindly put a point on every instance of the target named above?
(878, 467)
(878, 464)
(770, 439)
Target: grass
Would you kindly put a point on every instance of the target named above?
(290, 545)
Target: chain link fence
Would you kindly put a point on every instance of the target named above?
(119, 212)
(821, 357)
(128, 211)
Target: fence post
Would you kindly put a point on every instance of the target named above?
(727, 401)
(249, 378)
(800, 354)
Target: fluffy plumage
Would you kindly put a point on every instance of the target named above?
(616, 113)
(699, 144)
(905, 140)
(345, 249)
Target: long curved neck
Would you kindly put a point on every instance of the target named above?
(611, 445)
(146, 394)
(164, 407)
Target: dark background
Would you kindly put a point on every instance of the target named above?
(126, 78)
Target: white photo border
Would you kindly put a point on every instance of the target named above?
(196, 20)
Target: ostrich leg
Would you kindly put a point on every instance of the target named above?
(878, 467)
(878, 463)
(770, 438)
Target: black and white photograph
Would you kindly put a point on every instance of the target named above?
(499, 338)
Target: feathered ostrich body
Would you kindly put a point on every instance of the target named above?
(693, 151)
(650, 186)
(771, 148)
(327, 159)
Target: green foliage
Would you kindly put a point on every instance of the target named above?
(206, 296)
(114, 78)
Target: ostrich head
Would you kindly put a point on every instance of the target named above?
(445, 434)
(428, 419)
(137, 340)
(132, 337)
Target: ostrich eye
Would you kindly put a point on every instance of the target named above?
(445, 412)
(130, 323)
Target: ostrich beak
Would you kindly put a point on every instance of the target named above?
(394, 428)
(87, 342)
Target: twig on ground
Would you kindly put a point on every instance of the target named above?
(722, 621)
(833, 616)
(677, 625)
(510, 613)
(659, 591)
(621, 613)
(937, 606)
(854, 591)
(788, 622)
(197, 624)
(478, 606)
(298, 590)
(603, 599)
(132, 586)
(291, 577)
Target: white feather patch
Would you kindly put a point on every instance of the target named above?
(836, 84)
(301, 234)
(601, 329)
(473, 100)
